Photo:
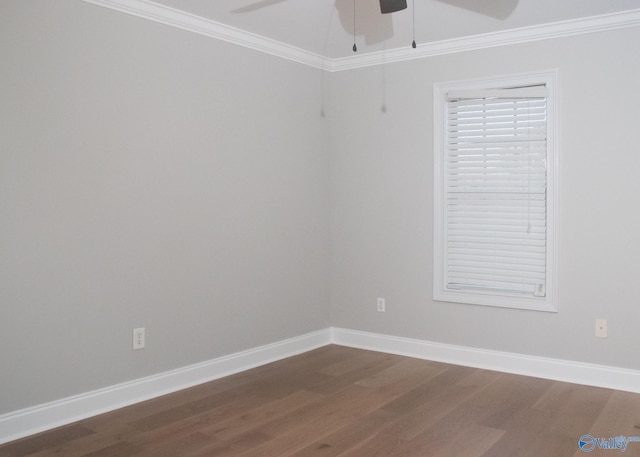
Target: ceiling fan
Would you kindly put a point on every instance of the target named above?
(386, 6)
(372, 25)
(375, 22)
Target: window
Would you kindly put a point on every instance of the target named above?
(494, 170)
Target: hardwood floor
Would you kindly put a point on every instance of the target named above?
(338, 401)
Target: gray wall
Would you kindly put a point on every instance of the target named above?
(382, 201)
(150, 177)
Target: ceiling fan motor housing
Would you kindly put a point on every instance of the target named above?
(391, 6)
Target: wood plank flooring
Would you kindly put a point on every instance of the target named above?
(344, 402)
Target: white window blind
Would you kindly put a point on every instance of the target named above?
(495, 191)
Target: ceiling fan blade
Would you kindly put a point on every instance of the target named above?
(499, 9)
(370, 24)
(256, 6)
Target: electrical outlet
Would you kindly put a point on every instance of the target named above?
(601, 328)
(138, 338)
(382, 307)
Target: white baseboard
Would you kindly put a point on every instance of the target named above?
(539, 367)
(18, 424)
(43, 417)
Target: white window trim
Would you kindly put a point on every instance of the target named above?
(505, 300)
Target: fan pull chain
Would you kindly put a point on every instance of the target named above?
(355, 48)
(413, 7)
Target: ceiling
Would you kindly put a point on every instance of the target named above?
(325, 27)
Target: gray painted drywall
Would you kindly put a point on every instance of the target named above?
(382, 201)
(153, 178)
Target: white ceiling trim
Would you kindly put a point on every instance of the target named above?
(573, 27)
(150, 10)
(166, 15)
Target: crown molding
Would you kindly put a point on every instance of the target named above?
(562, 29)
(172, 17)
